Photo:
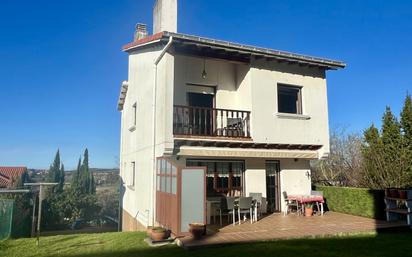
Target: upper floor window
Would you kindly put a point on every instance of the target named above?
(289, 99)
(132, 174)
(134, 114)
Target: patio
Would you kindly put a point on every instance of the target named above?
(277, 226)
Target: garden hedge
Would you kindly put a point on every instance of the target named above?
(356, 201)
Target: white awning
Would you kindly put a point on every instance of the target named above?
(246, 153)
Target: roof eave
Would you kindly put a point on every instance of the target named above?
(254, 51)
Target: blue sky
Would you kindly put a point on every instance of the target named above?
(61, 64)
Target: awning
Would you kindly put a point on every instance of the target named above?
(225, 152)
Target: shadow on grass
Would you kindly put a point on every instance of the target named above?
(382, 244)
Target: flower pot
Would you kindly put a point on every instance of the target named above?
(149, 231)
(308, 212)
(393, 192)
(197, 230)
(403, 194)
(158, 234)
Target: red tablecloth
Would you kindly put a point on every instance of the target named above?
(306, 198)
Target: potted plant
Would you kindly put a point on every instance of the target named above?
(403, 194)
(149, 231)
(393, 192)
(158, 234)
(308, 209)
(197, 230)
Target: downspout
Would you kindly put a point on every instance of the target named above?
(156, 62)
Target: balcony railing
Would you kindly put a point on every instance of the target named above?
(200, 121)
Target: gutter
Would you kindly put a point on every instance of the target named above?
(154, 102)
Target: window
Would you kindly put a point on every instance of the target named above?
(166, 177)
(222, 177)
(132, 175)
(134, 114)
(289, 99)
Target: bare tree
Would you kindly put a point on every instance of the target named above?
(344, 164)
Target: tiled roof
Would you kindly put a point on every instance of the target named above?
(7, 174)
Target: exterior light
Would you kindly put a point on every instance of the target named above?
(204, 73)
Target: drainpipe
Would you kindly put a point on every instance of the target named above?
(156, 62)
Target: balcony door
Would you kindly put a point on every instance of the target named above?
(201, 113)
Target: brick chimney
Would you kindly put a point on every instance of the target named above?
(165, 16)
(141, 31)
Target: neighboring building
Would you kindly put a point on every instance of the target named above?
(253, 117)
(9, 175)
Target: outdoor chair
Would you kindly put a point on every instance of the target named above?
(290, 204)
(228, 207)
(245, 207)
(317, 203)
(257, 198)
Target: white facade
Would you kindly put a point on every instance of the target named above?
(250, 87)
(166, 66)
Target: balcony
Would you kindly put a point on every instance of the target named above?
(210, 122)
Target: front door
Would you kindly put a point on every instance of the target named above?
(202, 113)
(273, 186)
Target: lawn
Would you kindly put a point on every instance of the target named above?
(131, 244)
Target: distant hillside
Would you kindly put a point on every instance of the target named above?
(99, 170)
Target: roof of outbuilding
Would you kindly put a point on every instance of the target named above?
(236, 48)
(8, 173)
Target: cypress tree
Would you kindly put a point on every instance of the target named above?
(85, 178)
(391, 131)
(406, 126)
(76, 175)
(387, 160)
(54, 170)
(406, 120)
(61, 178)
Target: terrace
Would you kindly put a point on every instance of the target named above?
(277, 226)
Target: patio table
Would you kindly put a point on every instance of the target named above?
(304, 199)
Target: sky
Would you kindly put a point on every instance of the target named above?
(61, 63)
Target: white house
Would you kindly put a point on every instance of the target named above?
(203, 118)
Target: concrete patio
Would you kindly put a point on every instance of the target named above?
(277, 226)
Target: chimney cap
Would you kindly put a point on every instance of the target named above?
(141, 31)
(141, 25)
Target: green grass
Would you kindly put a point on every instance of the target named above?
(131, 244)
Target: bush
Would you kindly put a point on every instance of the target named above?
(355, 201)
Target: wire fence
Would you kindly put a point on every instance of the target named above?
(6, 217)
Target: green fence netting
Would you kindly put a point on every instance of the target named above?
(6, 217)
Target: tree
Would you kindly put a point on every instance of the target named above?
(80, 200)
(83, 180)
(56, 174)
(343, 165)
(387, 158)
(406, 120)
(406, 126)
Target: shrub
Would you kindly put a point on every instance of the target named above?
(356, 201)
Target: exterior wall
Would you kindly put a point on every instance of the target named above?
(315, 130)
(241, 87)
(255, 176)
(137, 143)
(294, 177)
(225, 76)
(254, 88)
(129, 223)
